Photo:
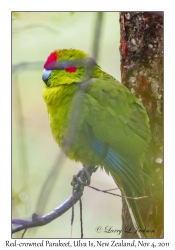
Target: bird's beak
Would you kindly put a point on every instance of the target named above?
(45, 75)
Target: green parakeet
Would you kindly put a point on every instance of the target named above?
(97, 121)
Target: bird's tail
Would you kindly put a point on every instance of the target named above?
(131, 181)
(138, 206)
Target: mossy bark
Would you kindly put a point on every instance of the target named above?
(141, 48)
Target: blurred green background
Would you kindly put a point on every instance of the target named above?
(34, 153)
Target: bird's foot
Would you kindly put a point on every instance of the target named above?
(83, 177)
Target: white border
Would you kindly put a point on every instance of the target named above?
(5, 95)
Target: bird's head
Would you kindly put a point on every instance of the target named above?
(69, 66)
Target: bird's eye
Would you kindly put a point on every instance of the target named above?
(70, 69)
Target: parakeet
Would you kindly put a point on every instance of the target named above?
(97, 121)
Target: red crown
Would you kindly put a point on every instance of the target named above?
(51, 58)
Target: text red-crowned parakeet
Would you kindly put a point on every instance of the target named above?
(97, 121)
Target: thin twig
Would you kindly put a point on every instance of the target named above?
(72, 215)
(22, 236)
(111, 189)
(97, 35)
(107, 192)
(27, 66)
(21, 133)
(35, 26)
(49, 183)
(81, 219)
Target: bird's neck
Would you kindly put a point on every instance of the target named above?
(59, 95)
(58, 101)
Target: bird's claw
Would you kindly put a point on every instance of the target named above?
(83, 178)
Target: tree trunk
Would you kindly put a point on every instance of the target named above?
(141, 48)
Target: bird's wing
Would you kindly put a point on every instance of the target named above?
(117, 127)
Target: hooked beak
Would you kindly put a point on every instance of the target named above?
(45, 75)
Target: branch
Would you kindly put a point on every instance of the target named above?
(97, 35)
(79, 181)
(126, 197)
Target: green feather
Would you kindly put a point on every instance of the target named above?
(89, 109)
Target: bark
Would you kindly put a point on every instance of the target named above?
(141, 48)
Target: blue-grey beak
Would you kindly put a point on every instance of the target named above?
(45, 75)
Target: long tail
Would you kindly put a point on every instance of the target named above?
(128, 177)
(137, 207)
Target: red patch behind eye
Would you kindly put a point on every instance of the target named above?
(51, 58)
(71, 69)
